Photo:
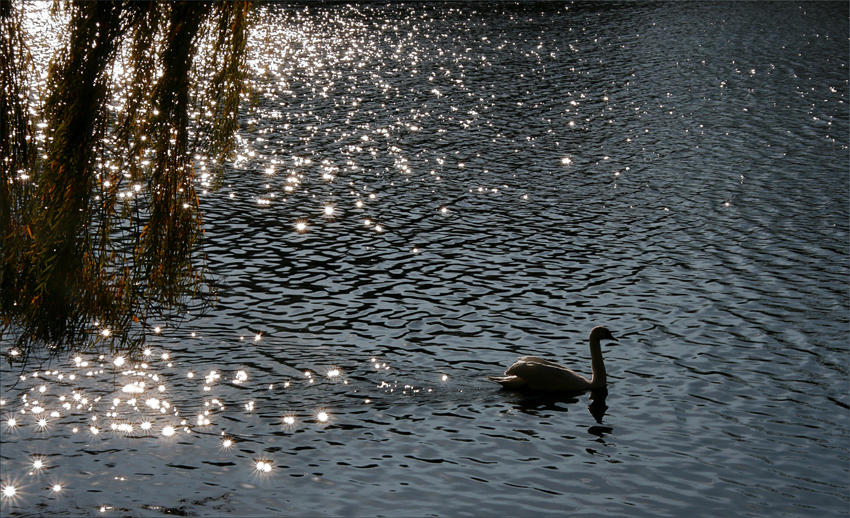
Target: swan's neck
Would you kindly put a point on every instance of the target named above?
(599, 378)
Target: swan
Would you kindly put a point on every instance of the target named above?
(533, 373)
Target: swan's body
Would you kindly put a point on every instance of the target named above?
(533, 373)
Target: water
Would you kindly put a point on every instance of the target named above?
(677, 172)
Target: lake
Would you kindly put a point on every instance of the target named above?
(424, 192)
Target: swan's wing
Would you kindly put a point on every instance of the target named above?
(536, 359)
(546, 375)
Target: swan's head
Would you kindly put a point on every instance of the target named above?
(601, 333)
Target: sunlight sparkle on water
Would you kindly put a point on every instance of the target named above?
(9, 491)
(210, 378)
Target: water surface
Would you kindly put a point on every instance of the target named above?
(424, 192)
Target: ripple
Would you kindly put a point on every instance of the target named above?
(702, 216)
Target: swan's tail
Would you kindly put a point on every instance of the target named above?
(509, 382)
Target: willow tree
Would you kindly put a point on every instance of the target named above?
(99, 217)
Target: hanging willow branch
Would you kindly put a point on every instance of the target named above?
(100, 222)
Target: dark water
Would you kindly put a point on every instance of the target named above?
(675, 171)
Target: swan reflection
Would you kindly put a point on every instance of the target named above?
(538, 402)
(597, 406)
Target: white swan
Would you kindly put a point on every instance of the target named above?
(533, 373)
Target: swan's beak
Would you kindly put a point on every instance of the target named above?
(611, 337)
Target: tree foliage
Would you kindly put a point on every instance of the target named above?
(100, 224)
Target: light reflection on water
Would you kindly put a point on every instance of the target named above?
(424, 192)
